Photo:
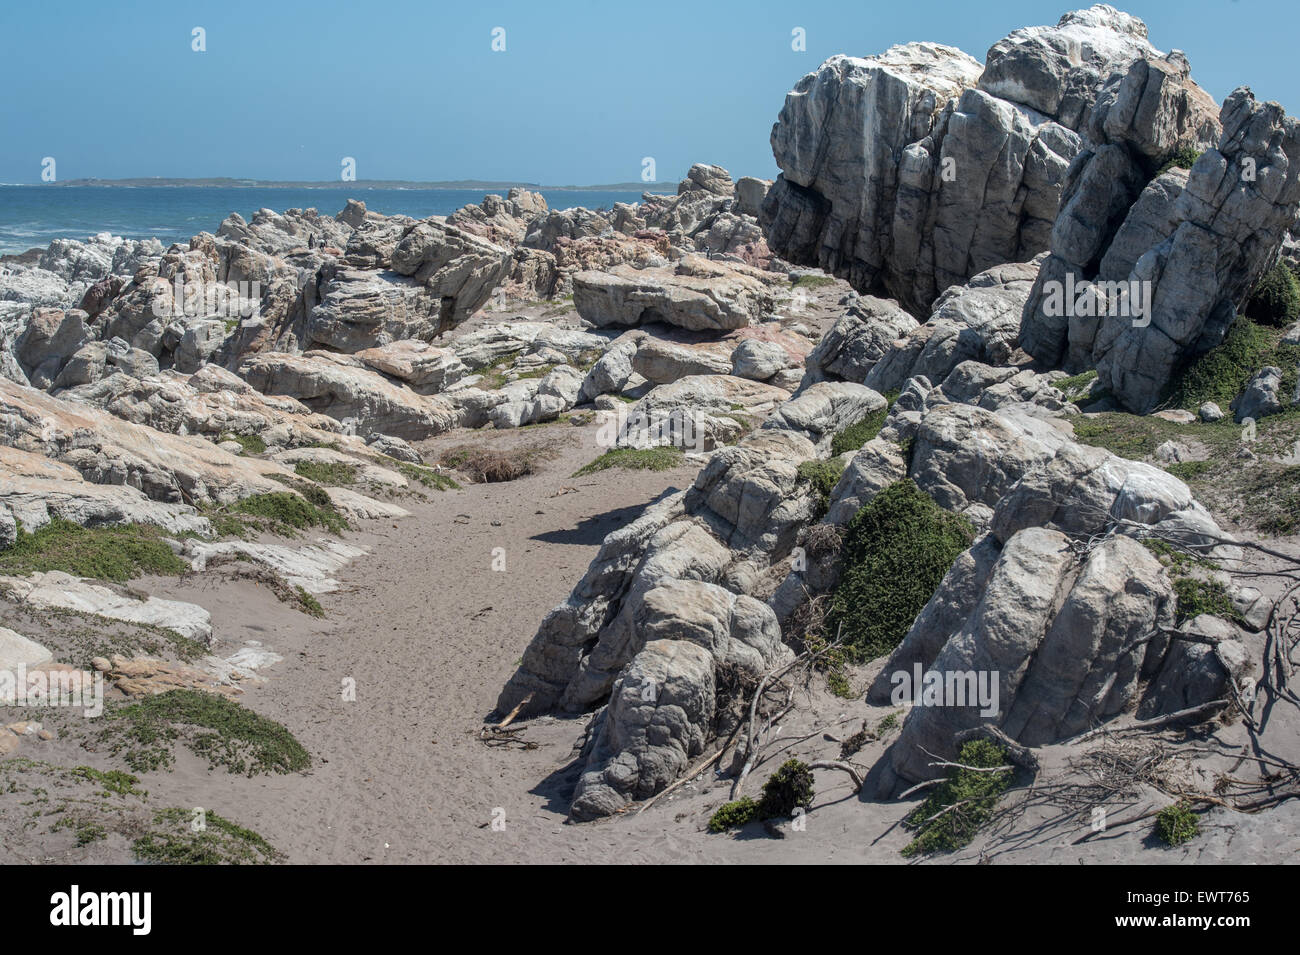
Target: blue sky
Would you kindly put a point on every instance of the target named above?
(413, 90)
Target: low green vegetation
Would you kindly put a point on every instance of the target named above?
(811, 282)
(189, 837)
(1177, 824)
(1197, 596)
(309, 604)
(957, 807)
(76, 637)
(114, 781)
(788, 789)
(896, 552)
(1221, 374)
(280, 512)
(540, 372)
(329, 473)
(823, 476)
(211, 726)
(733, 815)
(422, 475)
(1275, 300)
(251, 443)
(863, 430)
(1262, 494)
(494, 373)
(661, 458)
(118, 552)
(1080, 389)
(1184, 158)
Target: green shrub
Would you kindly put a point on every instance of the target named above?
(823, 476)
(1177, 824)
(251, 443)
(1222, 373)
(331, 473)
(1276, 299)
(118, 552)
(733, 815)
(308, 603)
(211, 726)
(1196, 596)
(114, 781)
(426, 476)
(896, 552)
(787, 789)
(813, 281)
(1184, 158)
(289, 511)
(173, 840)
(634, 459)
(859, 433)
(957, 807)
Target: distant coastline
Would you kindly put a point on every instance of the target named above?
(230, 183)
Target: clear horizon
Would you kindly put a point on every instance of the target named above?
(582, 93)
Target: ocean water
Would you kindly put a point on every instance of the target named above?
(30, 216)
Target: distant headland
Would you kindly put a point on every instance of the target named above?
(231, 183)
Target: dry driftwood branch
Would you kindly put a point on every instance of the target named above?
(751, 734)
(685, 777)
(1203, 710)
(842, 767)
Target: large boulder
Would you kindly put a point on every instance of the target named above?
(345, 389)
(697, 294)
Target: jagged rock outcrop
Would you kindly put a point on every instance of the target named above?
(105, 449)
(960, 168)
(342, 387)
(1231, 217)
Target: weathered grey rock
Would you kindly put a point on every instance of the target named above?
(346, 390)
(823, 409)
(17, 651)
(52, 337)
(1210, 246)
(1210, 412)
(458, 269)
(1191, 674)
(708, 178)
(1061, 637)
(394, 448)
(363, 308)
(663, 361)
(858, 340)
(424, 367)
(563, 382)
(1059, 70)
(612, 370)
(756, 359)
(655, 723)
(699, 412)
(963, 454)
(978, 321)
(898, 174)
(750, 193)
(1262, 396)
(1080, 490)
(514, 414)
(696, 294)
(55, 590)
(872, 469)
(37, 489)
